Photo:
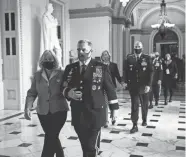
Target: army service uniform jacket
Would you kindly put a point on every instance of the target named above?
(138, 74)
(90, 109)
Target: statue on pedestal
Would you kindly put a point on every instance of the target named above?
(49, 33)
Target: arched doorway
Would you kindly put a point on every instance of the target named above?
(167, 45)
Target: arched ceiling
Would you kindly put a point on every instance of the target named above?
(135, 7)
(150, 12)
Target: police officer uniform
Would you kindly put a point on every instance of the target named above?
(138, 75)
(157, 76)
(88, 113)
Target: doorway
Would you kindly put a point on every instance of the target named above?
(10, 60)
(169, 48)
(167, 45)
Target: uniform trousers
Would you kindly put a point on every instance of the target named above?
(52, 125)
(155, 92)
(137, 99)
(89, 139)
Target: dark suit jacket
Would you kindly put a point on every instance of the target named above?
(114, 73)
(90, 110)
(48, 93)
(138, 74)
(158, 71)
(168, 79)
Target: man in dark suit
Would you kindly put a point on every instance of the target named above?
(138, 76)
(84, 84)
(157, 80)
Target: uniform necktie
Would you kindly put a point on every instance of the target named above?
(83, 68)
(138, 59)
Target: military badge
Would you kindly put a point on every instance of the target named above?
(143, 63)
(58, 80)
(94, 75)
(94, 87)
(130, 67)
(99, 71)
(144, 68)
(71, 71)
(157, 64)
(65, 84)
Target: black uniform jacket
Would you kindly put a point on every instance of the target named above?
(158, 71)
(96, 79)
(114, 73)
(170, 70)
(138, 74)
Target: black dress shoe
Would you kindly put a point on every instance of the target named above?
(113, 122)
(134, 129)
(106, 125)
(150, 106)
(144, 123)
(170, 100)
(156, 103)
(165, 103)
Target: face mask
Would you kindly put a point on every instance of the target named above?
(48, 65)
(84, 56)
(157, 56)
(138, 51)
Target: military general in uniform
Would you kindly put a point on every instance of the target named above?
(84, 84)
(138, 76)
(157, 80)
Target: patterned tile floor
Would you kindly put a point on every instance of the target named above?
(163, 137)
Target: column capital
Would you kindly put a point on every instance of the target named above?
(91, 12)
(118, 21)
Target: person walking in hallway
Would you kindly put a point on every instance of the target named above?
(113, 68)
(52, 106)
(170, 74)
(83, 85)
(138, 76)
(157, 80)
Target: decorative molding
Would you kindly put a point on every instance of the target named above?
(141, 31)
(130, 7)
(11, 94)
(119, 21)
(20, 34)
(91, 12)
(141, 12)
(180, 38)
(145, 31)
(152, 10)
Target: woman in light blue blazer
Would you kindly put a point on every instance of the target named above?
(51, 107)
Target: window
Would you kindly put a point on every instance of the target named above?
(7, 46)
(13, 21)
(7, 21)
(13, 46)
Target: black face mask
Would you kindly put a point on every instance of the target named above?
(84, 57)
(138, 51)
(48, 65)
(157, 56)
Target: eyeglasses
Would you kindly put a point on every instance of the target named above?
(83, 50)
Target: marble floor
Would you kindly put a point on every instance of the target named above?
(164, 136)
